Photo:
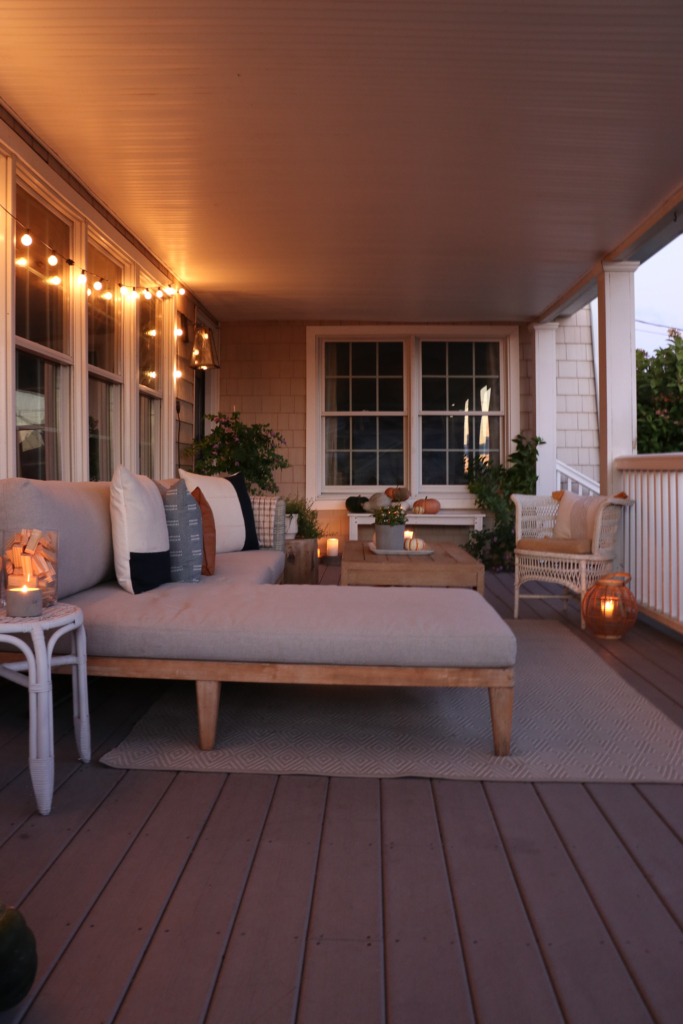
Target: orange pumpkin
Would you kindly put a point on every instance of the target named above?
(397, 493)
(430, 506)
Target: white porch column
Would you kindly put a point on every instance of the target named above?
(617, 346)
(545, 363)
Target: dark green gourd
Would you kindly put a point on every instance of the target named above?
(355, 504)
(18, 957)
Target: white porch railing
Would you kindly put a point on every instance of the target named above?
(653, 533)
(570, 479)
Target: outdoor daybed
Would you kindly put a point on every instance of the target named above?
(233, 626)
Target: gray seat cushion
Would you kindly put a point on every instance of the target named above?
(262, 566)
(79, 511)
(217, 621)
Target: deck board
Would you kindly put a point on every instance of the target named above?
(210, 902)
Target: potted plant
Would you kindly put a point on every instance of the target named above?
(389, 528)
(302, 511)
(235, 447)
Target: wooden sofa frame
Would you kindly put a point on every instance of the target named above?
(208, 676)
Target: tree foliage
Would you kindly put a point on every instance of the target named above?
(659, 384)
(235, 447)
(492, 486)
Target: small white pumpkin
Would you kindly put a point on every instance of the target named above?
(417, 510)
(414, 544)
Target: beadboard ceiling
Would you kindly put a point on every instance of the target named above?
(402, 160)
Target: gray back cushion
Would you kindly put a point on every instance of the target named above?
(184, 521)
(80, 512)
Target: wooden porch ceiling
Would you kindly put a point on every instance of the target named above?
(402, 160)
(180, 897)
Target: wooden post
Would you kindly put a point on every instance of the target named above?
(301, 561)
(617, 331)
(208, 699)
(500, 699)
(545, 387)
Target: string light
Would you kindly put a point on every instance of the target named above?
(82, 279)
(89, 291)
(152, 333)
(108, 295)
(178, 332)
(152, 374)
(21, 261)
(135, 294)
(124, 289)
(147, 293)
(177, 374)
(169, 290)
(181, 291)
(26, 238)
(97, 286)
(54, 280)
(160, 294)
(53, 260)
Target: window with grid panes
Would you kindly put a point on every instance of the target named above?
(364, 413)
(460, 410)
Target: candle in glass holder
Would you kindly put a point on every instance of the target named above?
(407, 534)
(332, 547)
(608, 607)
(24, 602)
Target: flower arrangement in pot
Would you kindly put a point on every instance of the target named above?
(389, 526)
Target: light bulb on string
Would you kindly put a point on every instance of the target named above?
(21, 261)
(178, 332)
(107, 295)
(177, 374)
(54, 280)
(160, 294)
(135, 294)
(124, 289)
(26, 238)
(181, 291)
(152, 333)
(89, 291)
(53, 260)
(147, 293)
(169, 290)
(82, 278)
(97, 286)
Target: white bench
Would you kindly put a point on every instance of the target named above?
(451, 517)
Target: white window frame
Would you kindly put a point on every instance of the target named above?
(455, 496)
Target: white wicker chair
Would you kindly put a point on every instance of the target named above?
(535, 517)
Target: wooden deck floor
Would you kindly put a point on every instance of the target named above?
(182, 898)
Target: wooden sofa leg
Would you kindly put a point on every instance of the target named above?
(208, 699)
(500, 699)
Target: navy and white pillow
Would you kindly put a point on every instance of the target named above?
(184, 522)
(231, 507)
(142, 556)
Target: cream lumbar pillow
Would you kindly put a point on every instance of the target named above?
(225, 504)
(576, 516)
(142, 557)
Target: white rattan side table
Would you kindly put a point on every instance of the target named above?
(35, 674)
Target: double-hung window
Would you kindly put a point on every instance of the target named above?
(149, 366)
(104, 364)
(42, 279)
(408, 409)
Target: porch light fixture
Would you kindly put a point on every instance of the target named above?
(204, 354)
(26, 238)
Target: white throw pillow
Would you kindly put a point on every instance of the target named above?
(225, 505)
(138, 524)
(576, 516)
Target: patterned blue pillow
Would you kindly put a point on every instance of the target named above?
(184, 521)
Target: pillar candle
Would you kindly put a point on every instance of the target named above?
(332, 547)
(24, 602)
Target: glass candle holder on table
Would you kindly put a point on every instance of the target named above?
(29, 564)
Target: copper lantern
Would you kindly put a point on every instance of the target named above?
(609, 608)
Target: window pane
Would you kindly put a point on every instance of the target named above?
(487, 358)
(457, 467)
(364, 430)
(364, 392)
(337, 358)
(433, 468)
(103, 312)
(391, 359)
(337, 433)
(364, 358)
(150, 341)
(337, 395)
(391, 468)
(486, 434)
(103, 419)
(390, 393)
(38, 397)
(434, 358)
(149, 433)
(460, 393)
(487, 394)
(337, 469)
(434, 393)
(41, 309)
(391, 432)
(364, 472)
(460, 358)
(434, 431)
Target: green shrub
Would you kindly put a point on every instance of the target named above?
(492, 486)
(308, 527)
(235, 447)
(659, 385)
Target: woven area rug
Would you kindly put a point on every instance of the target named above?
(575, 720)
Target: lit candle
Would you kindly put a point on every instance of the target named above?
(407, 534)
(24, 602)
(608, 607)
(332, 547)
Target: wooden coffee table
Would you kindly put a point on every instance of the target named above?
(449, 566)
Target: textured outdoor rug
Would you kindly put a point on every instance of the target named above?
(575, 720)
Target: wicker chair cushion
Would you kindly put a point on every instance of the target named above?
(560, 547)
